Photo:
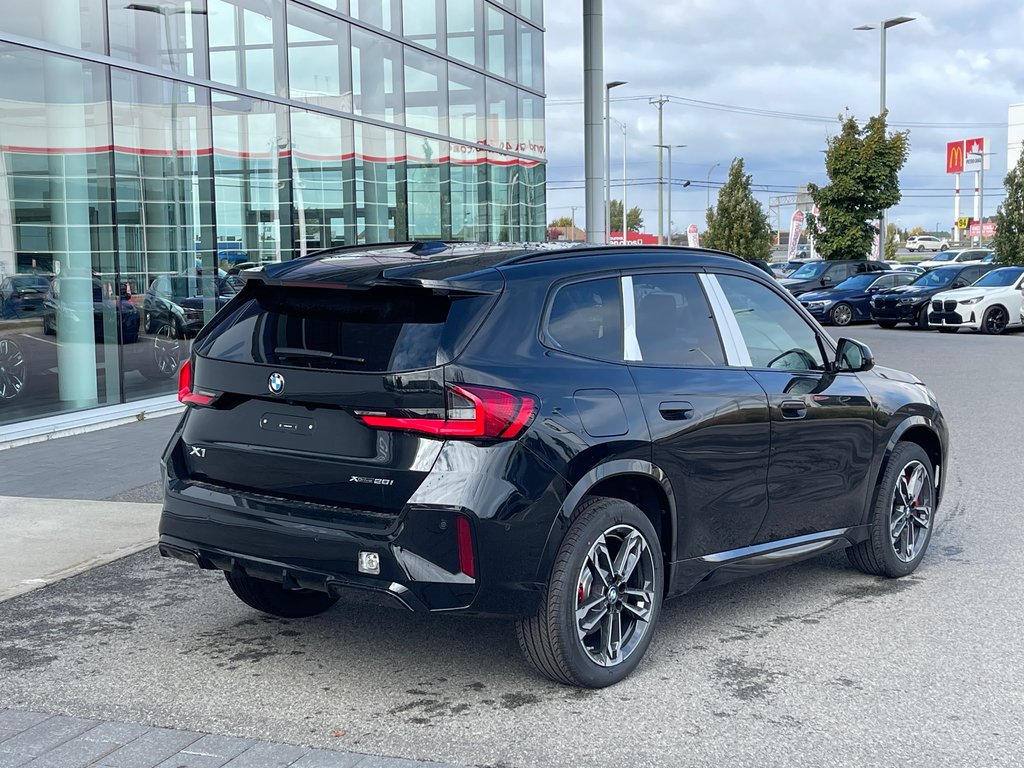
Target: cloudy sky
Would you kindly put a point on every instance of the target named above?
(765, 80)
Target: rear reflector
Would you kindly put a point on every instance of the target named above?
(185, 392)
(465, 541)
(471, 411)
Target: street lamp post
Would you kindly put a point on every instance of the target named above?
(882, 27)
(710, 171)
(625, 208)
(668, 148)
(607, 159)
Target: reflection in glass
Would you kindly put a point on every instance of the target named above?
(376, 77)
(318, 59)
(323, 176)
(502, 109)
(379, 174)
(464, 21)
(247, 44)
(466, 105)
(421, 21)
(501, 44)
(426, 92)
(80, 22)
(55, 176)
(252, 171)
(383, 14)
(426, 167)
(165, 34)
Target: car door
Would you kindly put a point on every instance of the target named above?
(708, 418)
(822, 426)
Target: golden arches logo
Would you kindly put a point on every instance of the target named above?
(955, 157)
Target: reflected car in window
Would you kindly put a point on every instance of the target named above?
(21, 296)
(60, 310)
(175, 305)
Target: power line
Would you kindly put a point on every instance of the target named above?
(775, 114)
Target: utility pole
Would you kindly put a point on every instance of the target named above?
(661, 101)
(573, 209)
(593, 146)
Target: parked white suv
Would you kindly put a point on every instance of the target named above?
(992, 304)
(926, 243)
(966, 256)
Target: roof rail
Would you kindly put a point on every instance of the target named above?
(545, 250)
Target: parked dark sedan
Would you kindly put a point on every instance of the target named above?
(59, 309)
(815, 275)
(175, 303)
(565, 436)
(22, 295)
(909, 304)
(850, 301)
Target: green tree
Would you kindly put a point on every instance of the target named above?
(892, 242)
(738, 223)
(635, 218)
(863, 166)
(562, 221)
(1009, 241)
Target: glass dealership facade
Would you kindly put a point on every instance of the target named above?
(147, 148)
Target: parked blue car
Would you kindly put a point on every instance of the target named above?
(849, 301)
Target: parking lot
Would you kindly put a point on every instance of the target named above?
(816, 664)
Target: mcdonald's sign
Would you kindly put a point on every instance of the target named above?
(955, 157)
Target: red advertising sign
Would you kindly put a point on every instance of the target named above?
(955, 157)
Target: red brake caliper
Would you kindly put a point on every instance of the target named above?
(579, 594)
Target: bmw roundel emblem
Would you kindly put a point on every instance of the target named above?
(275, 383)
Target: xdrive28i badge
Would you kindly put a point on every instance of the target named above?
(275, 383)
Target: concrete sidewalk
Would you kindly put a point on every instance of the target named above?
(45, 540)
(70, 504)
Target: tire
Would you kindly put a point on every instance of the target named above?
(922, 319)
(166, 355)
(270, 597)
(551, 639)
(886, 323)
(841, 314)
(882, 554)
(995, 321)
(943, 247)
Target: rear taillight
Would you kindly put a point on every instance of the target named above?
(186, 394)
(472, 411)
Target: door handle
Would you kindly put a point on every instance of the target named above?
(676, 410)
(793, 409)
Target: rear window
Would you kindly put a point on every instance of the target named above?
(375, 330)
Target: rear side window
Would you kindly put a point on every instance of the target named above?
(586, 319)
(375, 330)
(673, 322)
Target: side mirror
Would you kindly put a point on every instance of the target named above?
(826, 279)
(853, 356)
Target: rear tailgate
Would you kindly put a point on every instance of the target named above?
(290, 365)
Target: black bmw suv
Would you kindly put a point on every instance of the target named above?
(566, 436)
(909, 303)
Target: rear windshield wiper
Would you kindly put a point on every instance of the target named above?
(317, 353)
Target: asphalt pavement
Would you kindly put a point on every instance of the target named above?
(815, 664)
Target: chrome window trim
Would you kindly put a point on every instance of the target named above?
(630, 345)
(736, 353)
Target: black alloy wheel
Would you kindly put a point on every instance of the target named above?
(841, 314)
(902, 518)
(995, 321)
(603, 598)
(13, 369)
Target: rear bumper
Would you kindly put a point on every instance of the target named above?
(304, 546)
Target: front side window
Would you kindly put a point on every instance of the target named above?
(775, 335)
(586, 319)
(674, 325)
